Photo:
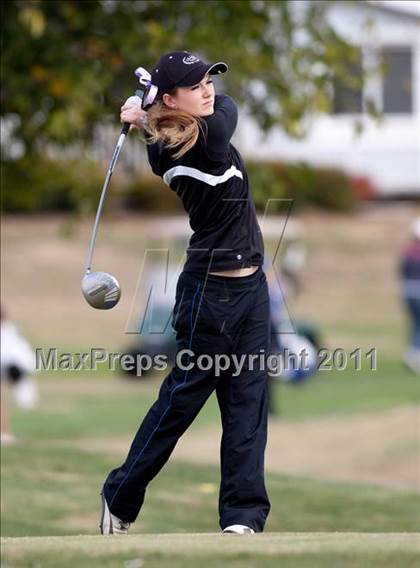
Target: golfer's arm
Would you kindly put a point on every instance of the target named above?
(219, 127)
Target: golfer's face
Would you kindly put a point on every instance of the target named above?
(197, 100)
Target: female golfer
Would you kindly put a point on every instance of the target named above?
(222, 303)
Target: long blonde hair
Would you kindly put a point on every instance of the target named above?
(173, 127)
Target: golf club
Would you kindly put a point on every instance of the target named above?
(101, 289)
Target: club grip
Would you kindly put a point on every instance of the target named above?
(125, 128)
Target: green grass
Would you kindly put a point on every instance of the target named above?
(94, 411)
(55, 491)
(52, 477)
(349, 391)
(311, 550)
(50, 481)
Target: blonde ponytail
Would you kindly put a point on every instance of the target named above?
(173, 127)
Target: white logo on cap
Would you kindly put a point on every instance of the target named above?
(190, 59)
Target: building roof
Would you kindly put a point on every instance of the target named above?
(410, 8)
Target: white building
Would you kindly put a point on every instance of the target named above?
(387, 153)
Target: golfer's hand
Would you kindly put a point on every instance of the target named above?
(132, 113)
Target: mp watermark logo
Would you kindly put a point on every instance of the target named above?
(151, 309)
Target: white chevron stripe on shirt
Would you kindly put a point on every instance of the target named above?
(201, 176)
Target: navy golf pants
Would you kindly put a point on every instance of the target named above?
(213, 315)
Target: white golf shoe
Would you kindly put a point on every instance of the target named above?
(238, 529)
(110, 524)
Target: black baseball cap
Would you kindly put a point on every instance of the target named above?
(182, 69)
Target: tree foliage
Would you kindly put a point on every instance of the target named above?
(68, 64)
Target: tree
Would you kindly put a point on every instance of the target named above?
(68, 64)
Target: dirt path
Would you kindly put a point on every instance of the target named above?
(380, 448)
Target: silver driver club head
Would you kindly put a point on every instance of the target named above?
(101, 290)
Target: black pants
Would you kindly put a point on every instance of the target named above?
(217, 315)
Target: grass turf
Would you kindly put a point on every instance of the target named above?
(50, 483)
(314, 550)
(50, 487)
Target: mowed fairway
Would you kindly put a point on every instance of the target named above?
(51, 480)
(312, 550)
(343, 451)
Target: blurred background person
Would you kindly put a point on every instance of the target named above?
(296, 342)
(16, 369)
(410, 275)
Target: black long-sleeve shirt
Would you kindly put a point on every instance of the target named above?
(212, 183)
